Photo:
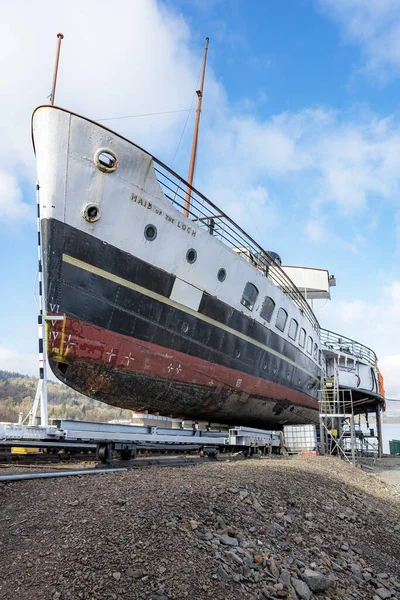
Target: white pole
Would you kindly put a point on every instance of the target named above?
(41, 325)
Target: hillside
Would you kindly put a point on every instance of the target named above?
(17, 393)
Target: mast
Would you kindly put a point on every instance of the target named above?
(53, 89)
(192, 163)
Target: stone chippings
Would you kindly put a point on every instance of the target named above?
(255, 529)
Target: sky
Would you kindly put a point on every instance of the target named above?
(299, 138)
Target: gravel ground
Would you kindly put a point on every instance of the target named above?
(296, 528)
(388, 467)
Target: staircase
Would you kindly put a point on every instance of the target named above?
(335, 411)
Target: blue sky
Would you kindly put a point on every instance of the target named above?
(299, 141)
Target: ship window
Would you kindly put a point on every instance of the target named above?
(105, 160)
(267, 309)
(309, 345)
(320, 357)
(281, 319)
(302, 338)
(191, 256)
(91, 213)
(250, 294)
(221, 275)
(293, 327)
(315, 351)
(150, 232)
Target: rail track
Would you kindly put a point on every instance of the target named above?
(46, 451)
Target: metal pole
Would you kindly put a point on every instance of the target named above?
(42, 386)
(192, 163)
(53, 89)
(71, 473)
(353, 442)
(379, 430)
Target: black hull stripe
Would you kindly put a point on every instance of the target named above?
(84, 247)
(91, 298)
(137, 288)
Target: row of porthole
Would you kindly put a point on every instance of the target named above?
(150, 233)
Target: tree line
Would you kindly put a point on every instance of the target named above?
(17, 393)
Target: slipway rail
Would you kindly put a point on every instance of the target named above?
(104, 440)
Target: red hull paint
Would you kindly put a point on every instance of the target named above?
(73, 339)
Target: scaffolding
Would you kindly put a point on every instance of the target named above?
(336, 417)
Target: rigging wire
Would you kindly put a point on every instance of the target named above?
(183, 130)
(187, 119)
(165, 112)
(35, 293)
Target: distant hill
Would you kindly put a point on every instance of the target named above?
(17, 393)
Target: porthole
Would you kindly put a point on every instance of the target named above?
(265, 366)
(275, 370)
(221, 275)
(105, 160)
(150, 232)
(191, 256)
(185, 327)
(237, 353)
(91, 213)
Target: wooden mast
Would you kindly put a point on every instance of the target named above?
(53, 89)
(192, 163)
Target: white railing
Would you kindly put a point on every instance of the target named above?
(208, 216)
(345, 345)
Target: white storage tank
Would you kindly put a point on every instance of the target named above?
(300, 438)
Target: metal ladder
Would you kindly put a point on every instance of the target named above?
(335, 411)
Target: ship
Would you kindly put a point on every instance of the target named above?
(157, 301)
(169, 305)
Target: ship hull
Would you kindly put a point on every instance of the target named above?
(124, 342)
(153, 299)
(142, 376)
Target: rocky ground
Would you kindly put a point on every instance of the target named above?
(388, 467)
(296, 528)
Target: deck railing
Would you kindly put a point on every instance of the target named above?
(210, 218)
(345, 345)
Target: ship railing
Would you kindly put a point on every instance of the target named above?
(210, 218)
(344, 345)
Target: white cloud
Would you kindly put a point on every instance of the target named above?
(375, 323)
(390, 367)
(134, 60)
(316, 230)
(12, 206)
(339, 162)
(140, 59)
(375, 26)
(12, 360)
